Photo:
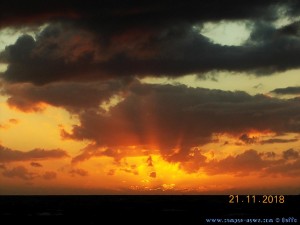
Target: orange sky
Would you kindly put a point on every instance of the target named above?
(203, 104)
(225, 165)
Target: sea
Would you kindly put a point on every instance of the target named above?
(148, 209)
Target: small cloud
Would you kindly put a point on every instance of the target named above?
(19, 172)
(133, 166)
(194, 161)
(247, 139)
(152, 174)
(49, 175)
(258, 86)
(269, 154)
(133, 171)
(287, 91)
(290, 154)
(225, 143)
(111, 172)
(278, 141)
(7, 124)
(150, 161)
(79, 172)
(13, 121)
(35, 164)
(3, 126)
(10, 155)
(240, 165)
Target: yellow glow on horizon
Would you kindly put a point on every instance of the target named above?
(170, 178)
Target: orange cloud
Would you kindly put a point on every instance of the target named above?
(7, 125)
(14, 121)
(80, 172)
(19, 172)
(49, 175)
(35, 164)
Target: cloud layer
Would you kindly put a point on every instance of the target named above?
(149, 39)
(177, 117)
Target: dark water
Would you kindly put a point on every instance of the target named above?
(140, 209)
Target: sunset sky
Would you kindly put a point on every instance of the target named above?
(150, 97)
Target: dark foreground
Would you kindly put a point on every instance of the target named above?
(145, 210)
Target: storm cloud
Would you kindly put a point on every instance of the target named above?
(128, 40)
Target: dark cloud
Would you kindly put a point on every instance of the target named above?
(252, 161)
(97, 150)
(290, 154)
(242, 164)
(246, 163)
(130, 170)
(19, 172)
(72, 96)
(126, 167)
(247, 140)
(285, 169)
(175, 52)
(152, 175)
(9, 155)
(278, 141)
(177, 118)
(47, 59)
(117, 15)
(36, 164)
(49, 175)
(268, 155)
(193, 162)
(287, 91)
(79, 172)
(87, 153)
(292, 29)
(150, 161)
(130, 43)
(150, 164)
